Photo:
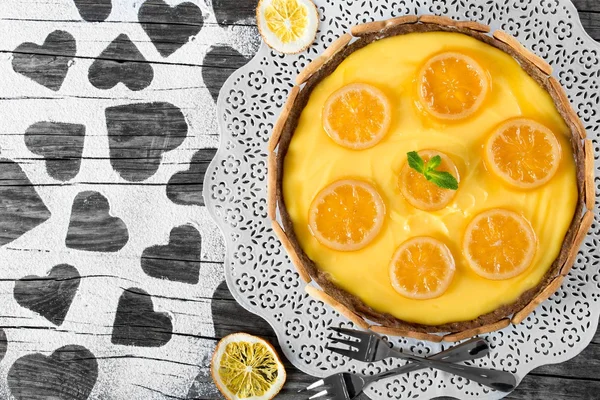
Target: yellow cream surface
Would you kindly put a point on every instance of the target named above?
(314, 161)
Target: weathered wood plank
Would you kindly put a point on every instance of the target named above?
(575, 379)
(61, 145)
(94, 10)
(587, 5)
(186, 187)
(591, 23)
(50, 296)
(88, 48)
(22, 208)
(179, 260)
(92, 228)
(235, 11)
(73, 366)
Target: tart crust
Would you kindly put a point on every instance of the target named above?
(350, 304)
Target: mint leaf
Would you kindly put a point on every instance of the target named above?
(416, 162)
(443, 179)
(434, 163)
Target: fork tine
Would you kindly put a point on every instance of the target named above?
(313, 386)
(351, 343)
(320, 394)
(350, 332)
(343, 352)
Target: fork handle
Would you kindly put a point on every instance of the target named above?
(469, 350)
(495, 379)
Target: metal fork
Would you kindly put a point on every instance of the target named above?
(370, 348)
(346, 386)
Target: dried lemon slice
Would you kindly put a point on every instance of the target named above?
(245, 366)
(523, 153)
(422, 268)
(288, 26)
(499, 244)
(357, 116)
(347, 215)
(452, 86)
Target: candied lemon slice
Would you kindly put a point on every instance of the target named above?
(357, 116)
(245, 366)
(452, 86)
(422, 268)
(288, 26)
(523, 153)
(346, 215)
(499, 244)
(420, 192)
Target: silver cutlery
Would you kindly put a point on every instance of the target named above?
(368, 347)
(346, 386)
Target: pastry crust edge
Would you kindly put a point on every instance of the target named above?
(541, 72)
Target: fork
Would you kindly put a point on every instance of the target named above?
(370, 348)
(346, 386)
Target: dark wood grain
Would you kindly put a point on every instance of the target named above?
(3, 344)
(110, 68)
(92, 228)
(186, 187)
(70, 372)
(168, 27)
(136, 322)
(50, 296)
(46, 63)
(60, 144)
(21, 208)
(591, 23)
(587, 5)
(219, 63)
(235, 11)
(179, 260)
(94, 10)
(140, 133)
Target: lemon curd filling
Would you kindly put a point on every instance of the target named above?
(314, 161)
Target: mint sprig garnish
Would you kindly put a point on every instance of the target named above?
(443, 179)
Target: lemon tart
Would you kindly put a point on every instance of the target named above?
(430, 177)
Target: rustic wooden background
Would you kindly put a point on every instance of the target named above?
(575, 379)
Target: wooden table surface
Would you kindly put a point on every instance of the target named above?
(578, 378)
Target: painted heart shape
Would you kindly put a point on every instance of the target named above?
(70, 372)
(239, 10)
(168, 27)
(3, 343)
(21, 208)
(94, 10)
(219, 63)
(177, 261)
(60, 144)
(186, 187)
(50, 296)
(92, 228)
(138, 135)
(47, 64)
(136, 322)
(121, 62)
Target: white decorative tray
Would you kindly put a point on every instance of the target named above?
(259, 273)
